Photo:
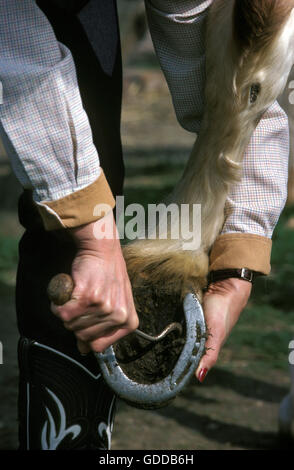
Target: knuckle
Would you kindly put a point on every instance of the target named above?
(87, 296)
(101, 298)
(121, 316)
(134, 323)
(80, 288)
(94, 297)
(107, 306)
(103, 302)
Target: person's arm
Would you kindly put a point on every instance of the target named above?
(254, 205)
(101, 309)
(43, 124)
(252, 210)
(48, 138)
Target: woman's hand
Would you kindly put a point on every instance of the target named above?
(101, 309)
(222, 303)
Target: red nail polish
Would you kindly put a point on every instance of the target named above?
(202, 375)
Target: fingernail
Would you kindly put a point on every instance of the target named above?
(202, 375)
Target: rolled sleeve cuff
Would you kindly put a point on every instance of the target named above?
(240, 250)
(77, 208)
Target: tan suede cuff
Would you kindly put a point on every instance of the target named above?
(77, 208)
(241, 250)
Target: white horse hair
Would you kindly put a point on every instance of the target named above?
(249, 54)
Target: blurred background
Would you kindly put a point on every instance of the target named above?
(237, 407)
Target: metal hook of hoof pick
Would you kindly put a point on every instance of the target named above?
(60, 290)
(147, 395)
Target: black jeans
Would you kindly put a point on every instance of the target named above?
(43, 254)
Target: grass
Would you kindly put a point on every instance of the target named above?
(262, 337)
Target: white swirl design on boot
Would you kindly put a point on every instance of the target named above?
(55, 438)
(104, 428)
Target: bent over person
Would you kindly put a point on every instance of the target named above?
(60, 68)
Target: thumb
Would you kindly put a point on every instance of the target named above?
(216, 311)
(206, 363)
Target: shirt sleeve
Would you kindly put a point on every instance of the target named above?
(43, 125)
(254, 205)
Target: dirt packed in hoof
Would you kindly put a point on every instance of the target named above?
(148, 362)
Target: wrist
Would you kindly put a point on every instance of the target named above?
(244, 274)
(231, 289)
(98, 236)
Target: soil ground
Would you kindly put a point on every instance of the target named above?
(237, 406)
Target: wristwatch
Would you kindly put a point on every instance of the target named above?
(243, 273)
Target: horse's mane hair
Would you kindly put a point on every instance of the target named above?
(257, 22)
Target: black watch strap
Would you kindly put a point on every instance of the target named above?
(243, 273)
